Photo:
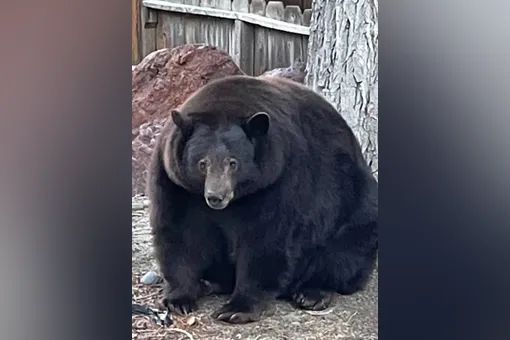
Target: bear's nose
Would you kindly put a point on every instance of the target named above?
(213, 198)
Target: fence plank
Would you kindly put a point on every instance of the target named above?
(307, 17)
(170, 30)
(220, 4)
(293, 43)
(276, 41)
(241, 6)
(207, 3)
(260, 65)
(221, 34)
(175, 31)
(191, 2)
(149, 20)
(261, 60)
(304, 47)
(192, 31)
(274, 10)
(293, 15)
(223, 4)
(243, 47)
(258, 7)
(192, 28)
(152, 16)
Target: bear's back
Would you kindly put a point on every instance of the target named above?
(301, 120)
(289, 104)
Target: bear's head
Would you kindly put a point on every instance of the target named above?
(219, 158)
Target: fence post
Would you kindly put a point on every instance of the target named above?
(135, 31)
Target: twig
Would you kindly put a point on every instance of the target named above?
(181, 331)
(140, 206)
(350, 318)
(317, 313)
(144, 297)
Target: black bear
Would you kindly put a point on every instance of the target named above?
(259, 187)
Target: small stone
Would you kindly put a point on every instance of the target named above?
(150, 278)
(191, 321)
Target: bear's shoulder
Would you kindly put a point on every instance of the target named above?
(236, 98)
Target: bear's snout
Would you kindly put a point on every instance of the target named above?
(218, 199)
(214, 198)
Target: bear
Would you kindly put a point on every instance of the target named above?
(259, 189)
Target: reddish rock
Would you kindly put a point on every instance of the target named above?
(162, 81)
(295, 72)
(142, 147)
(165, 78)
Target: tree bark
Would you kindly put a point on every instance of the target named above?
(343, 65)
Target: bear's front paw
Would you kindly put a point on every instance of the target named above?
(179, 301)
(312, 299)
(238, 312)
(181, 305)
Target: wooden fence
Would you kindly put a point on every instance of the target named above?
(303, 4)
(259, 35)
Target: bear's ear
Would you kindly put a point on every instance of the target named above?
(257, 125)
(179, 121)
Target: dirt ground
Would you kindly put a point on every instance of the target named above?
(352, 317)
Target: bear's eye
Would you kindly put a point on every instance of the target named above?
(233, 164)
(202, 165)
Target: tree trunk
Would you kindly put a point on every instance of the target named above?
(342, 65)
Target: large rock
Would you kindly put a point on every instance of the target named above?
(142, 147)
(163, 81)
(165, 78)
(295, 72)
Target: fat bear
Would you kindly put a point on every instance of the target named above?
(259, 188)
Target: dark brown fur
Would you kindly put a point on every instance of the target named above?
(303, 221)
